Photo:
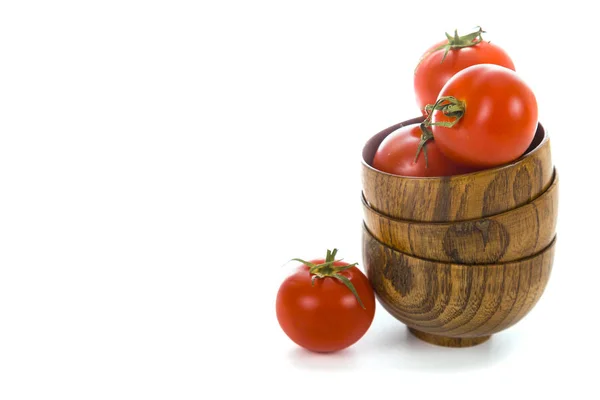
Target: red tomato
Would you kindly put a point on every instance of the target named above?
(396, 155)
(499, 121)
(319, 310)
(437, 67)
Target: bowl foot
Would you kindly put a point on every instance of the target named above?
(448, 341)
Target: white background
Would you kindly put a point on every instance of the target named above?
(160, 161)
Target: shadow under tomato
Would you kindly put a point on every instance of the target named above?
(339, 360)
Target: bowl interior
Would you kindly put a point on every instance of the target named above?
(373, 144)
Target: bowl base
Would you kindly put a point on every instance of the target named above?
(448, 341)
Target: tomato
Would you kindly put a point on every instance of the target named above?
(396, 155)
(444, 59)
(327, 309)
(499, 116)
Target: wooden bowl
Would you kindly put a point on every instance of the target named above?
(460, 197)
(508, 236)
(455, 305)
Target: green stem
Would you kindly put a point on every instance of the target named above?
(459, 42)
(426, 136)
(327, 269)
(456, 42)
(450, 106)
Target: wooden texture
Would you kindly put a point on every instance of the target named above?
(509, 236)
(461, 197)
(445, 302)
(449, 341)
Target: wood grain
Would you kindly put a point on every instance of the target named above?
(460, 197)
(509, 236)
(445, 301)
(449, 341)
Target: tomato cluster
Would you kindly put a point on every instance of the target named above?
(478, 112)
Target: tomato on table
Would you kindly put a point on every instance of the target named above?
(326, 305)
(447, 57)
(397, 154)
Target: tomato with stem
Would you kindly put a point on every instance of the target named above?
(397, 155)
(444, 59)
(485, 116)
(326, 305)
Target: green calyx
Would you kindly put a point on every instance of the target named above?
(449, 106)
(458, 42)
(328, 269)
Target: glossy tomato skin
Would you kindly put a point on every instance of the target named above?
(325, 317)
(500, 118)
(432, 74)
(396, 155)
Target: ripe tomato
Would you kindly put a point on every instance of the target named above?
(444, 59)
(499, 117)
(396, 155)
(326, 305)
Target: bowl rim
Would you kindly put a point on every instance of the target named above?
(487, 171)
(553, 185)
(452, 264)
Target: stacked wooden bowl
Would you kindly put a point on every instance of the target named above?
(460, 258)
